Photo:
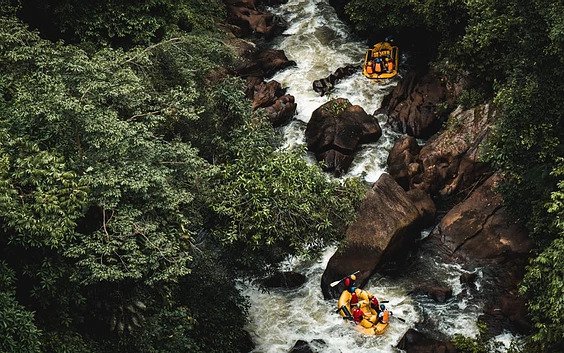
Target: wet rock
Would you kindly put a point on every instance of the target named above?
(279, 106)
(288, 280)
(266, 93)
(301, 346)
(324, 85)
(384, 232)
(416, 342)
(438, 293)
(264, 63)
(402, 164)
(509, 311)
(282, 111)
(246, 343)
(253, 21)
(418, 105)
(469, 279)
(449, 163)
(336, 130)
(425, 206)
(480, 230)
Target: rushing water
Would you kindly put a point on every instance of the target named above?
(320, 43)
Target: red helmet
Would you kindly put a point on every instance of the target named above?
(347, 282)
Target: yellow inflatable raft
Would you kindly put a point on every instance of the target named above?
(381, 62)
(369, 325)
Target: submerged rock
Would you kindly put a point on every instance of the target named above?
(288, 280)
(438, 293)
(326, 84)
(301, 346)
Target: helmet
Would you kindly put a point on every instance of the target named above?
(353, 277)
(347, 282)
(382, 307)
(352, 289)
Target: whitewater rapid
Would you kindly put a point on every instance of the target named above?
(320, 43)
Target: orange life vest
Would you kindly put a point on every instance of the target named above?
(378, 67)
(369, 68)
(385, 316)
(390, 65)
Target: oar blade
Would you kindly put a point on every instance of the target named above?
(333, 284)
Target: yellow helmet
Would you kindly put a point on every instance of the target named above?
(353, 277)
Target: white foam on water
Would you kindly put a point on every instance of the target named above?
(281, 317)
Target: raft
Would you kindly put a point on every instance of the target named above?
(381, 62)
(366, 326)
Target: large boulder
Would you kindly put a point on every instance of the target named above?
(402, 160)
(450, 161)
(418, 104)
(425, 206)
(384, 231)
(336, 130)
(282, 110)
(266, 93)
(254, 22)
(263, 63)
(480, 232)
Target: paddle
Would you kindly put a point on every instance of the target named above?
(399, 318)
(333, 284)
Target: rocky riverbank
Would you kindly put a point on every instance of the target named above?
(439, 182)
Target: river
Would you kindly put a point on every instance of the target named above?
(320, 43)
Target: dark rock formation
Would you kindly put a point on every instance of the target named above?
(416, 342)
(279, 106)
(469, 279)
(425, 206)
(438, 293)
(336, 130)
(418, 105)
(479, 232)
(324, 85)
(251, 21)
(266, 93)
(449, 162)
(263, 63)
(479, 229)
(282, 111)
(301, 346)
(402, 163)
(384, 231)
(288, 280)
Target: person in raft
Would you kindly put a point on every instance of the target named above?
(357, 314)
(350, 283)
(375, 304)
(354, 296)
(384, 314)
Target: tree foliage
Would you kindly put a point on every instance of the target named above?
(117, 153)
(271, 202)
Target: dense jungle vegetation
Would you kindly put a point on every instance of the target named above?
(510, 53)
(132, 177)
